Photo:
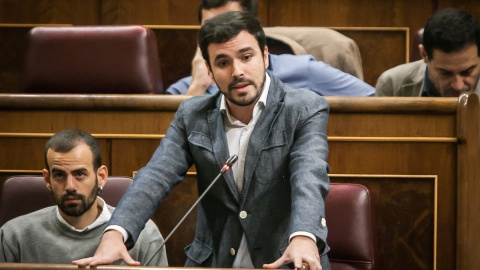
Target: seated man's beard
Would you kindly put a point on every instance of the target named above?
(75, 209)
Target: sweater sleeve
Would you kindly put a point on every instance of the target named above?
(149, 240)
(6, 254)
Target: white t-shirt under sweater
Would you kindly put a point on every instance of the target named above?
(40, 237)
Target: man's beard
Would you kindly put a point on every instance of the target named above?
(73, 209)
(245, 102)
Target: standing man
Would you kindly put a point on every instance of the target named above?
(450, 65)
(72, 229)
(300, 71)
(269, 209)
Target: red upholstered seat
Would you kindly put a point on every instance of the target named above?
(27, 193)
(91, 59)
(352, 234)
(414, 51)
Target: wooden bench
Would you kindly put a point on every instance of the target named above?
(419, 157)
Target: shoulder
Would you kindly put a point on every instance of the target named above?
(31, 220)
(301, 97)
(281, 63)
(393, 79)
(198, 104)
(296, 98)
(180, 87)
(407, 70)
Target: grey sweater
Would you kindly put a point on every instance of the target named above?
(40, 237)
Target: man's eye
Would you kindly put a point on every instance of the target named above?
(79, 174)
(222, 63)
(466, 73)
(445, 73)
(247, 57)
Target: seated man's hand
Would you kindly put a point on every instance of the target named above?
(110, 249)
(301, 249)
(201, 78)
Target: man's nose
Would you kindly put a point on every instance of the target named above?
(237, 69)
(459, 83)
(70, 183)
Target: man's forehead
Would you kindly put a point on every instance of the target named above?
(456, 61)
(80, 154)
(240, 43)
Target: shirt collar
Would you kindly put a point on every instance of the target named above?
(260, 105)
(103, 218)
(428, 88)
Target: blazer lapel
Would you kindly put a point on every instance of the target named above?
(261, 132)
(220, 146)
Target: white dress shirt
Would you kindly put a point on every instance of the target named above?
(238, 136)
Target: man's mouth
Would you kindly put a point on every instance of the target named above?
(240, 86)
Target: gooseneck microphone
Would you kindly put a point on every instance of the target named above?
(228, 164)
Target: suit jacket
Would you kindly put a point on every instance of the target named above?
(324, 44)
(285, 182)
(405, 80)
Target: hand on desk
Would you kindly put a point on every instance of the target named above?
(301, 249)
(110, 249)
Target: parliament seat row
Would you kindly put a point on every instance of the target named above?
(417, 156)
(349, 211)
(124, 59)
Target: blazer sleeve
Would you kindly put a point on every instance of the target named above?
(384, 85)
(153, 182)
(309, 171)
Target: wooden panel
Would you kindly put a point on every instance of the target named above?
(183, 40)
(181, 199)
(49, 11)
(350, 13)
(405, 205)
(12, 52)
(378, 140)
(373, 42)
(149, 12)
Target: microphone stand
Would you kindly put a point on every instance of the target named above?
(225, 168)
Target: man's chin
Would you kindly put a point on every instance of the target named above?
(454, 93)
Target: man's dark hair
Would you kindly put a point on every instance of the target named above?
(450, 30)
(249, 6)
(65, 140)
(227, 25)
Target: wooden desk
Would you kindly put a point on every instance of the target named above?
(419, 157)
(51, 266)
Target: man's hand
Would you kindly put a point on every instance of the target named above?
(301, 249)
(110, 249)
(201, 78)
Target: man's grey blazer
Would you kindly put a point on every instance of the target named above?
(285, 182)
(405, 80)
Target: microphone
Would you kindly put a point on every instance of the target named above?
(228, 164)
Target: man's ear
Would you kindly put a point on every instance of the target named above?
(46, 179)
(265, 56)
(423, 53)
(208, 68)
(102, 175)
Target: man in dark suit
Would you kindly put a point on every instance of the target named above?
(269, 210)
(450, 64)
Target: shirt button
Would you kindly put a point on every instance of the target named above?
(232, 251)
(324, 222)
(243, 214)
